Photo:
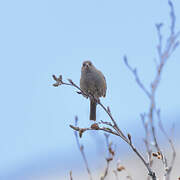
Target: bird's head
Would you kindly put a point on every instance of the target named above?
(87, 66)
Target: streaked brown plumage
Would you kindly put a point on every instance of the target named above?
(93, 82)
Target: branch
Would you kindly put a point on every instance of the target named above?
(147, 139)
(170, 167)
(81, 149)
(134, 72)
(114, 126)
(93, 127)
(171, 45)
(164, 54)
(70, 174)
(108, 159)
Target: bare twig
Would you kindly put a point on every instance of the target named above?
(70, 174)
(109, 158)
(115, 127)
(81, 149)
(171, 45)
(106, 170)
(134, 71)
(82, 130)
(164, 54)
(147, 139)
(170, 167)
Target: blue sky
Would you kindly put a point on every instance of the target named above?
(41, 38)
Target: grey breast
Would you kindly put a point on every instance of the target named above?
(93, 82)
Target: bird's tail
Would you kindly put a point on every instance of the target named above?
(92, 110)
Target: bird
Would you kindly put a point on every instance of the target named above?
(92, 82)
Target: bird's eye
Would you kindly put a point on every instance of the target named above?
(90, 63)
(84, 64)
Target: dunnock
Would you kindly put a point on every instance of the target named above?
(92, 82)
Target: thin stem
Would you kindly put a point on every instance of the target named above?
(81, 149)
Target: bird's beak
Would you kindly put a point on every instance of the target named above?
(87, 66)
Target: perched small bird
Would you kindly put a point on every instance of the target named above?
(92, 82)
